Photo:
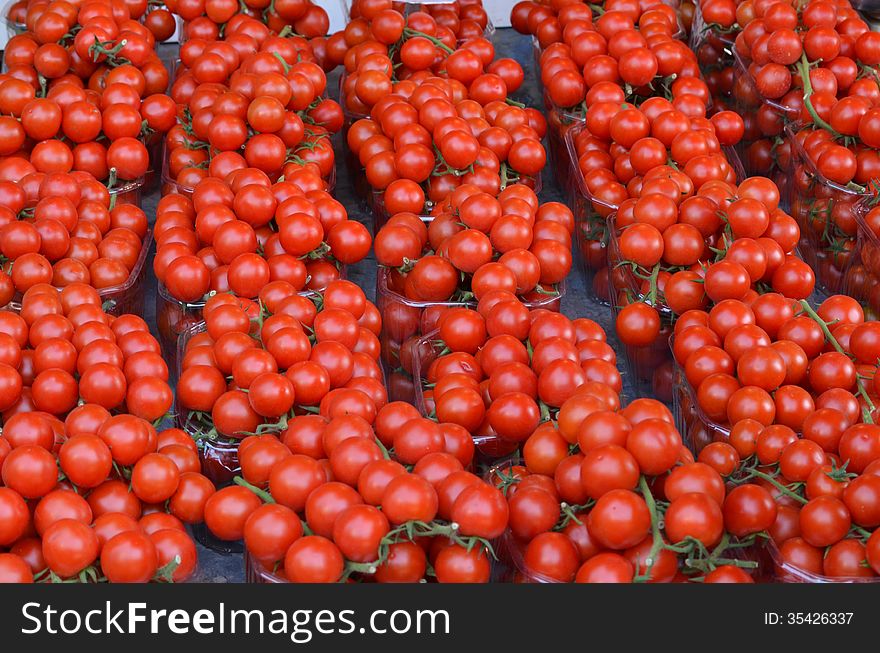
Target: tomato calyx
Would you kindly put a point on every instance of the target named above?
(108, 50)
(570, 514)
(90, 575)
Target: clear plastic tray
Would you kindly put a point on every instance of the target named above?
(174, 317)
(405, 322)
(650, 366)
(696, 428)
(862, 278)
(489, 448)
(785, 572)
(747, 102)
(256, 572)
(13, 27)
(510, 566)
(129, 297)
(218, 457)
(813, 201)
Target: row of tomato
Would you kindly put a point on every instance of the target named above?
(281, 378)
(97, 482)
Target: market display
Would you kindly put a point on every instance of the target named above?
(719, 163)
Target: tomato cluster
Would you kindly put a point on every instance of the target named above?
(350, 440)
(250, 237)
(251, 99)
(388, 49)
(786, 394)
(807, 86)
(501, 370)
(376, 519)
(83, 90)
(205, 19)
(416, 150)
(81, 392)
(282, 354)
(610, 495)
(59, 229)
(629, 43)
(474, 248)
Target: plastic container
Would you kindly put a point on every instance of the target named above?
(489, 448)
(590, 217)
(862, 278)
(696, 429)
(127, 192)
(405, 322)
(785, 572)
(824, 212)
(128, 297)
(13, 27)
(256, 572)
(510, 565)
(559, 121)
(765, 121)
(218, 457)
(649, 367)
(175, 317)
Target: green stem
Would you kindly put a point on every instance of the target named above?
(412, 33)
(657, 536)
(803, 68)
(265, 496)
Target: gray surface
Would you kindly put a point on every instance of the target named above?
(214, 567)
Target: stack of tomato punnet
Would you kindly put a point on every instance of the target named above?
(721, 242)
(810, 72)
(287, 355)
(473, 247)
(354, 492)
(89, 102)
(787, 394)
(501, 370)
(620, 150)
(577, 46)
(240, 233)
(81, 392)
(609, 494)
(251, 99)
(64, 228)
(206, 19)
